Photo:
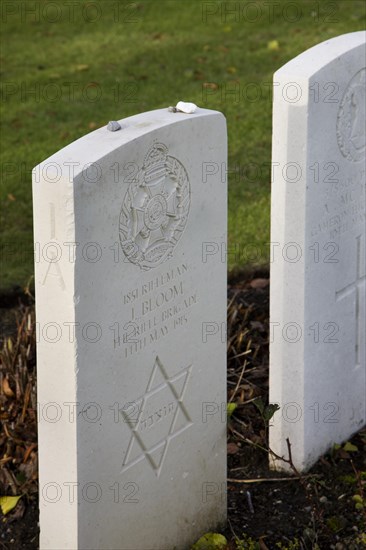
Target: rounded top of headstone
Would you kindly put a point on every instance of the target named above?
(317, 57)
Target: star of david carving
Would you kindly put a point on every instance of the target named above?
(151, 434)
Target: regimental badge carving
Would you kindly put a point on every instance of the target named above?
(351, 126)
(156, 418)
(155, 209)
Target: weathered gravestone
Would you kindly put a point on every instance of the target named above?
(132, 442)
(317, 365)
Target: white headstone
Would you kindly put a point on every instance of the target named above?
(131, 382)
(317, 365)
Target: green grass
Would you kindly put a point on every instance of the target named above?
(140, 56)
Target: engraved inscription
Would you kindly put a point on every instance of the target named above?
(156, 308)
(350, 289)
(351, 128)
(51, 253)
(52, 221)
(344, 207)
(161, 417)
(155, 209)
(156, 417)
(157, 282)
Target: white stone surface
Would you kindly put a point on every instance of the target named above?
(131, 382)
(317, 364)
(185, 107)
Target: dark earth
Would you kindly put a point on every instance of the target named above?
(322, 509)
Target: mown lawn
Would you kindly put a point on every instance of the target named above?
(70, 67)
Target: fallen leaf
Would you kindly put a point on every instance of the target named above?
(211, 541)
(7, 389)
(92, 125)
(158, 36)
(231, 408)
(231, 70)
(259, 283)
(350, 448)
(210, 85)
(82, 67)
(11, 197)
(8, 503)
(232, 448)
(273, 45)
